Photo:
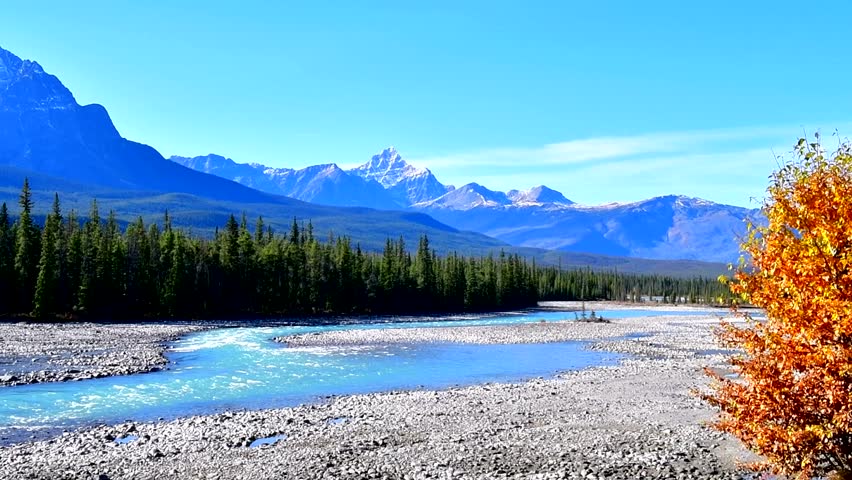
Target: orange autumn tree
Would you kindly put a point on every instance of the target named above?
(791, 401)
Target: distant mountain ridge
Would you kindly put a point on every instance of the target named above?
(385, 182)
(43, 129)
(325, 184)
(76, 150)
(405, 182)
(666, 227)
(539, 194)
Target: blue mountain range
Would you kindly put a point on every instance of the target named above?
(47, 136)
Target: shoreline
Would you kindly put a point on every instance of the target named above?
(636, 418)
(42, 352)
(60, 352)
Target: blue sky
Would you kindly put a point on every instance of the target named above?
(604, 101)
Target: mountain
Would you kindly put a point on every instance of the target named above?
(325, 184)
(385, 182)
(61, 146)
(538, 195)
(328, 184)
(466, 197)
(368, 228)
(668, 227)
(77, 151)
(42, 128)
(249, 175)
(406, 183)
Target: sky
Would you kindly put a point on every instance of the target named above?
(605, 101)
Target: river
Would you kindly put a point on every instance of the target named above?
(242, 368)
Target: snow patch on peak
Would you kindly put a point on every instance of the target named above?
(323, 167)
(538, 196)
(405, 182)
(466, 197)
(276, 172)
(386, 159)
(684, 201)
(389, 169)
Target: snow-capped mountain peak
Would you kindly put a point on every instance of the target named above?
(538, 195)
(466, 197)
(407, 183)
(670, 226)
(389, 169)
(385, 160)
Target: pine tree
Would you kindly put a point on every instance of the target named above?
(91, 273)
(73, 263)
(425, 274)
(259, 233)
(7, 262)
(47, 283)
(26, 250)
(138, 268)
(98, 271)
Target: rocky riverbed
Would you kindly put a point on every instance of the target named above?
(537, 332)
(48, 352)
(634, 420)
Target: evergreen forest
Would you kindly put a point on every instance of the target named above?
(70, 268)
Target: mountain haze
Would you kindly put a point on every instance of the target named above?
(42, 128)
(61, 146)
(407, 183)
(77, 151)
(666, 227)
(326, 184)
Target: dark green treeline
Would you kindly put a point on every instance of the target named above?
(91, 269)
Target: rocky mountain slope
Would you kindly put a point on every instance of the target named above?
(325, 184)
(61, 146)
(666, 227)
(44, 131)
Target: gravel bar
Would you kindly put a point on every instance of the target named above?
(56, 352)
(637, 419)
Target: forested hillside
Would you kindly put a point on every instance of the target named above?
(92, 269)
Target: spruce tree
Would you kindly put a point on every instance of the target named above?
(425, 274)
(26, 250)
(7, 262)
(91, 273)
(73, 262)
(97, 271)
(259, 233)
(45, 301)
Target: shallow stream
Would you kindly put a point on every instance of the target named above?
(242, 368)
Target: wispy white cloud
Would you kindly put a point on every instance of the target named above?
(734, 177)
(727, 163)
(724, 165)
(590, 150)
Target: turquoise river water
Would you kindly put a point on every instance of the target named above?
(237, 368)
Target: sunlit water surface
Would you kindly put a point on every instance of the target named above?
(235, 368)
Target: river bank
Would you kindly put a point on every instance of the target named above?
(69, 351)
(637, 419)
(55, 352)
